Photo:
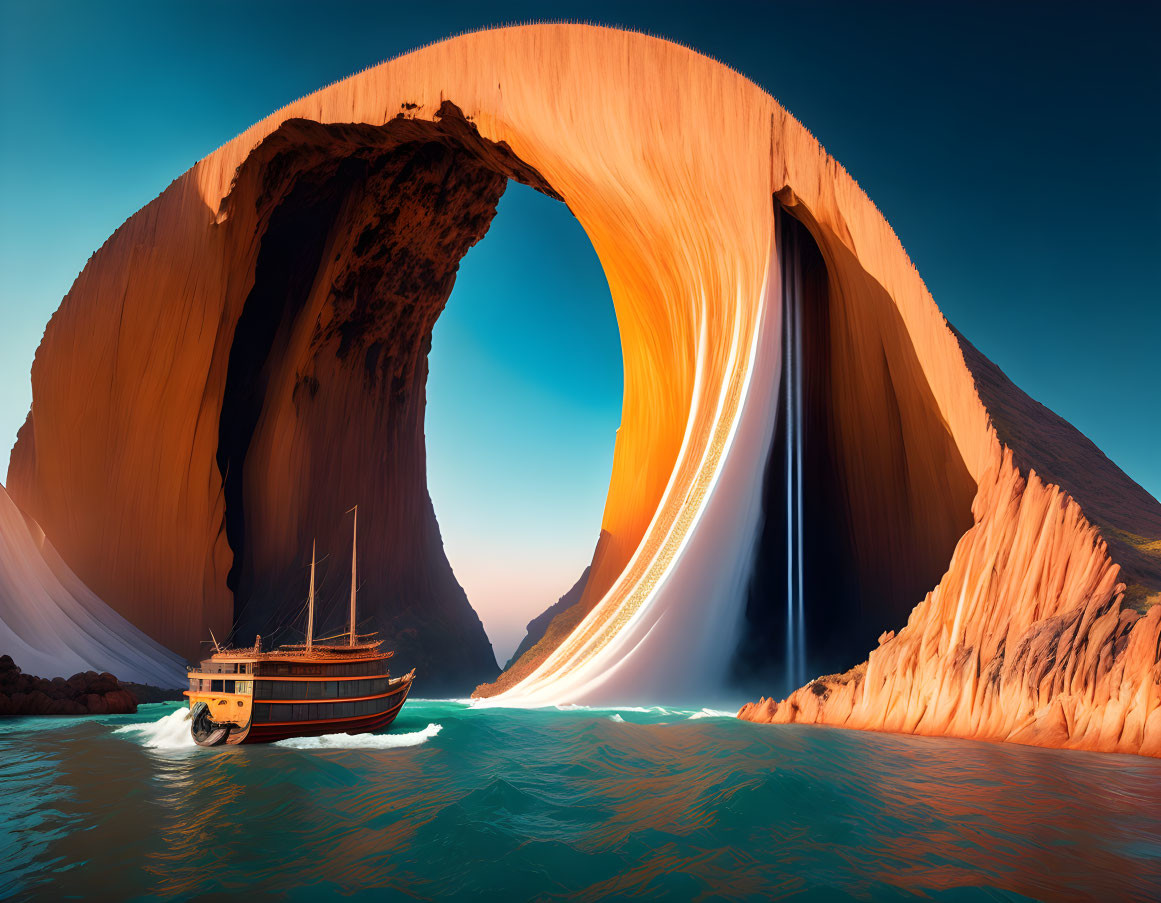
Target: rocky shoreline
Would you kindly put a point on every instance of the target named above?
(88, 693)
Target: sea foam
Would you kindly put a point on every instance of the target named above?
(172, 732)
(362, 741)
(169, 732)
(711, 713)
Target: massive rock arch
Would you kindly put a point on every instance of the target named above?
(244, 359)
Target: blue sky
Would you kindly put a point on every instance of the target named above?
(1015, 148)
(524, 400)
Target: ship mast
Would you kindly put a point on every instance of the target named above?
(310, 604)
(354, 543)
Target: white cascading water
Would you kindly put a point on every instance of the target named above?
(680, 643)
(791, 261)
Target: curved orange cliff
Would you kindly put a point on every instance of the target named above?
(263, 326)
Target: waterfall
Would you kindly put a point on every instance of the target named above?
(679, 645)
(792, 411)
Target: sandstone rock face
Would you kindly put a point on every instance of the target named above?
(258, 337)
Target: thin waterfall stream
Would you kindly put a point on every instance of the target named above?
(792, 410)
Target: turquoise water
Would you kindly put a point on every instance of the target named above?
(464, 803)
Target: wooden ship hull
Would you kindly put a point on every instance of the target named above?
(266, 697)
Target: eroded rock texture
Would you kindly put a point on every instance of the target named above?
(1026, 638)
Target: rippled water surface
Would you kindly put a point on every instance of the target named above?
(504, 804)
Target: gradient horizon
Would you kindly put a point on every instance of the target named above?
(982, 133)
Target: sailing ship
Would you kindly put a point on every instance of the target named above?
(250, 696)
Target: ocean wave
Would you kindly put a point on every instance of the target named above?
(616, 717)
(641, 709)
(362, 741)
(169, 732)
(711, 713)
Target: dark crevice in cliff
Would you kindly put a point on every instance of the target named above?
(886, 495)
(291, 253)
(324, 401)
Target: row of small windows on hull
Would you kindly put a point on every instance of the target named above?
(286, 689)
(266, 712)
(321, 689)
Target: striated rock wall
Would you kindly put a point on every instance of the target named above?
(1129, 519)
(55, 625)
